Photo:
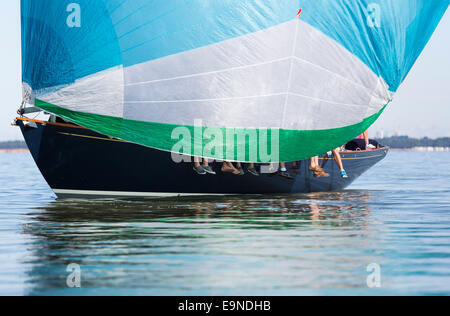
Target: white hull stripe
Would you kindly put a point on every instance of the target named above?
(126, 194)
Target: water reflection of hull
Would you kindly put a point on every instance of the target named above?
(194, 245)
(78, 162)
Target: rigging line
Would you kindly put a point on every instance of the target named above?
(207, 73)
(290, 73)
(326, 101)
(253, 65)
(117, 7)
(187, 27)
(133, 12)
(184, 28)
(369, 90)
(161, 36)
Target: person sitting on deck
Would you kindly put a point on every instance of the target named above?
(359, 144)
(202, 169)
(366, 138)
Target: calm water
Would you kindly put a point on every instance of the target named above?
(397, 216)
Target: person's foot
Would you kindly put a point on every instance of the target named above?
(209, 170)
(272, 171)
(286, 174)
(241, 171)
(253, 172)
(344, 174)
(370, 147)
(316, 169)
(228, 169)
(199, 170)
(321, 174)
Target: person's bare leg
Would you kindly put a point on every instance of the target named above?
(337, 157)
(197, 166)
(315, 167)
(207, 168)
(312, 163)
(369, 146)
(366, 138)
(197, 161)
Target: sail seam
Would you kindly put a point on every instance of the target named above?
(327, 101)
(369, 91)
(336, 74)
(209, 100)
(150, 22)
(241, 98)
(208, 73)
(290, 74)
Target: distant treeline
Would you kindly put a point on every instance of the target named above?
(406, 142)
(393, 142)
(17, 144)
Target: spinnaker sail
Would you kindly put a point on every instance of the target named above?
(238, 80)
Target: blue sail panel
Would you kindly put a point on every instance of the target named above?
(387, 35)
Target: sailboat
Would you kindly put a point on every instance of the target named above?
(134, 89)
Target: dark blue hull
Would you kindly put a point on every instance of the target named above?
(77, 162)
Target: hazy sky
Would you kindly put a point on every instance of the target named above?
(421, 107)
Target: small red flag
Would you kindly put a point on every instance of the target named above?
(299, 14)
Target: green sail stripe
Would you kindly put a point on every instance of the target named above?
(292, 144)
